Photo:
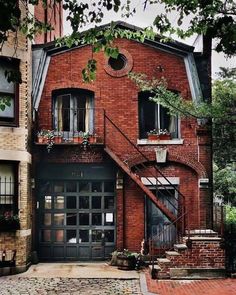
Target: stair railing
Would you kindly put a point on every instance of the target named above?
(181, 217)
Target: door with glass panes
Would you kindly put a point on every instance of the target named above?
(76, 220)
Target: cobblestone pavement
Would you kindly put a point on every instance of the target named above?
(66, 286)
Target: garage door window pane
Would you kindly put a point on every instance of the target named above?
(84, 187)
(96, 219)
(96, 187)
(59, 219)
(71, 219)
(71, 202)
(96, 235)
(47, 202)
(84, 218)
(96, 202)
(84, 236)
(58, 187)
(59, 202)
(109, 236)
(46, 235)
(71, 187)
(108, 186)
(84, 202)
(47, 219)
(71, 236)
(59, 235)
(109, 202)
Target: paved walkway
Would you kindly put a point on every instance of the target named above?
(192, 287)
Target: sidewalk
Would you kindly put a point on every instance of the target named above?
(81, 270)
(191, 287)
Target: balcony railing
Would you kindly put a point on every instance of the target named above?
(71, 126)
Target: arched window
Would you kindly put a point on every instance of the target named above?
(155, 116)
(73, 111)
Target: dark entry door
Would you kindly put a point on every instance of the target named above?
(76, 219)
(159, 228)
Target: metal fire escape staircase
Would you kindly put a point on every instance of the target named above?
(113, 136)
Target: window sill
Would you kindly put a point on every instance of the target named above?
(160, 142)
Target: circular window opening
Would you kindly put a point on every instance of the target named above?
(117, 63)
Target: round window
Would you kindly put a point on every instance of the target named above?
(118, 63)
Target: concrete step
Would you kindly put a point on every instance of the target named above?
(172, 253)
(153, 270)
(202, 232)
(197, 273)
(180, 247)
(163, 260)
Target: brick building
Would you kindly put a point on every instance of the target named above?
(105, 184)
(15, 150)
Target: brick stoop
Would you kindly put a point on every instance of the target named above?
(199, 256)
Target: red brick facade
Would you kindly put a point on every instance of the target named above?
(118, 96)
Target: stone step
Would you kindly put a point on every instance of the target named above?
(196, 273)
(163, 261)
(180, 247)
(172, 253)
(202, 232)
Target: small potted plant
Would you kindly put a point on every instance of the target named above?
(9, 221)
(153, 134)
(57, 137)
(92, 138)
(78, 137)
(164, 134)
(41, 136)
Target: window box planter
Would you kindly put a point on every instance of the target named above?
(57, 139)
(153, 136)
(78, 139)
(164, 136)
(92, 139)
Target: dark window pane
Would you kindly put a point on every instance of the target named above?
(71, 202)
(84, 187)
(109, 236)
(147, 114)
(96, 219)
(71, 236)
(84, 202)
(84, 236)
(46, 235)
(109, 202)
(58, 187)
(71, 187)
(47, 219)
(96, 235)
(45, 187)
(109, 186)
(71, 219)
(84, 218)
(96, 187)
(96, 202)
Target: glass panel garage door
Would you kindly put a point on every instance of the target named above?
(76, 220)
